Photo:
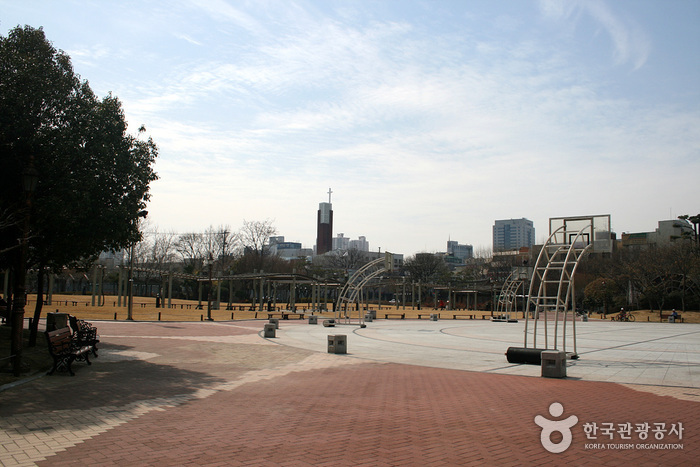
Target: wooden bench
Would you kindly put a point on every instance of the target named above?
(420, 315)
(398, 315)
(454, 316)
(84, 333)
(65, 350)
(665, 316)
(284, 314)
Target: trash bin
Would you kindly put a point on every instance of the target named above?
(313, 319)
(337, 344)
(671, 319)
(270, 330)
(433, 316)
(368, 317)
(553, 364)
(56, 321)
(276, 322)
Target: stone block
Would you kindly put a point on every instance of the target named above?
(338, 344)
(553, 364)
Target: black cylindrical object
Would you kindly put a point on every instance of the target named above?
(524, 355)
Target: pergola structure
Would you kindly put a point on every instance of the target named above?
(264, 285)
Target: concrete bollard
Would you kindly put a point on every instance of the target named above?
(313, 319)
(553, 364)
(269, 330)
(276, 322)
(328, 323)
(337, 344)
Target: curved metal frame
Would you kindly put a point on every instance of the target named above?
(509, 294)
(353, 288)
(556, 265)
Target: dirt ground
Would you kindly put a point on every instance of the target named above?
(144, 309)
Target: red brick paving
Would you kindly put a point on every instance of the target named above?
(388, 414)
(363, 414)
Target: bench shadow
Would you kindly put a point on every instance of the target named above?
(112, 383)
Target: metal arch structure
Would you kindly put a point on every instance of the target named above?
(552, 288)
(507, 300)
(352, 289)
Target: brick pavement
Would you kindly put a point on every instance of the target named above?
(218, 394)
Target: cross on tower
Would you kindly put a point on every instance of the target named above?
(329, 195)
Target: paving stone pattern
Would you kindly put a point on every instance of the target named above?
(219, 394)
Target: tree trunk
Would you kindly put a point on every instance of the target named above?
(34, 329)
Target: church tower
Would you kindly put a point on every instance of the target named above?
(324, 227)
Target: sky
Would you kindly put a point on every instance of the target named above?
(429, 120)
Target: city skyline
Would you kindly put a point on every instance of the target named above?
(430, 120)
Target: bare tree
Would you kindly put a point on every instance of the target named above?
(162, 250)
(223, 243)
(254, 236)
(351, 258)
(190, 246)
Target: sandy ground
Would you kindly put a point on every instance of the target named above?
(144, 309)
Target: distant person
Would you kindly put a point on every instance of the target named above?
(674, 315)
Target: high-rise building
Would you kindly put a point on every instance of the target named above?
(324, 227)
(512, 234)
(341, 242)
(361, 244)
(459, 251)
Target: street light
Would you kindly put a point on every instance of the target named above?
(130, 283)
(30, 178)
(210, 263)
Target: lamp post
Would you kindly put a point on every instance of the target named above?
(30, 177)
(130, 282)
(210, 263)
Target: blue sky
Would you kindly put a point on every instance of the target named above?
(428, 119)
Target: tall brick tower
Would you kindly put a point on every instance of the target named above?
(324, 227)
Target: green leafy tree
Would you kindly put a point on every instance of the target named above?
(93, 177)
(602, 293)
(427, 268)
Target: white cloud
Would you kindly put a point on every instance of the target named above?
(630, 43)
(422, 131)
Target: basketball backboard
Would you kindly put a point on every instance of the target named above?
(584, 230)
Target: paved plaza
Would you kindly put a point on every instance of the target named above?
(408, 392)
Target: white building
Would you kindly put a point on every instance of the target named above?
(361, 244)
(666, 233)
(513, 234)
(341, 242)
